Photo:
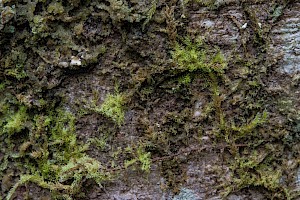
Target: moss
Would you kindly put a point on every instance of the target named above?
(172, 23)
(211, 4)
(55, 8)
(193, 56)
(49, 154)
(16, 122)
(255, 172)
(112, 107)
(150, 13)
(177, 85)
(197, 57)
(100, 143)
(78, 169)
(277, 12)
(2, 86)
(185, 80)
(14, 63)
(144, 158)
(248, 128)
(39, 26)
(119, 11)
(128, 163)
(17, 72)
(140, 157)
(7, 13)
(38, 138)
(247, 170)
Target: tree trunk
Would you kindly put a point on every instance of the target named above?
(127, 99)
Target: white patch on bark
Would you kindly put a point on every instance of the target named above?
(286, 40)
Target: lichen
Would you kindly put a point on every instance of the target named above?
(185, 194)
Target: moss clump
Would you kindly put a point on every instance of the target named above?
(248, 128)
(15, 122)
(55, 8)
(14, 63)
(120, 10)
(150, 13)
(7, 13)
(144, 158)
(12, 118)
(194, 56)
(257, 170)
(48, 152)
(211, 4)
(112, 107)
(140, 157)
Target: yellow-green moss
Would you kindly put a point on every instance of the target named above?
(140, 157)
(50, 155)
(55, 8)
(193, 56)
(256, 169)
(112, 107)
(248, 128)
(253, 170)
(16, 122)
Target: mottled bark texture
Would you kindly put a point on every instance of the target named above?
(132, 99)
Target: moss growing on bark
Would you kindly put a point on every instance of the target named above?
(112, 107)
(180, 91)
(49, 152)
(193, 56)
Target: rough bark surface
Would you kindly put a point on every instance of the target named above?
(209, 91)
